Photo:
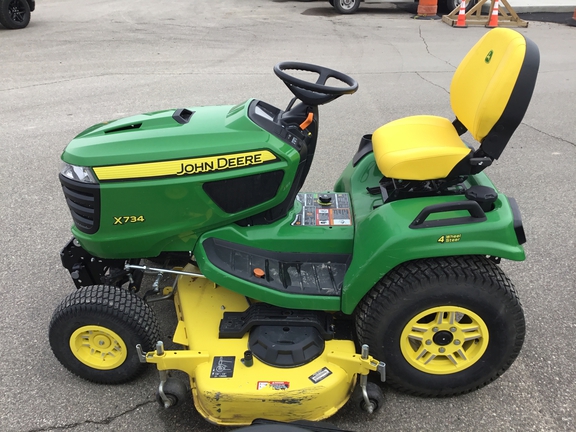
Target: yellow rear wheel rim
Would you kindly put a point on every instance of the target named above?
(98, 347)
(444, 340)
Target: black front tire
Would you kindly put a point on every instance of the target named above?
(95, 330)
(346, 6)
(14, 14)
(443, 326)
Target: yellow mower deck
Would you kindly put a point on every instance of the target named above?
(226, 391)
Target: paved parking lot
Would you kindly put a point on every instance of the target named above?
(79, 63)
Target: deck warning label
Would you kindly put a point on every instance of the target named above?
(223, 367)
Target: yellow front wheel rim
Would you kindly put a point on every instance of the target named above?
(98, 347)
(444, 340)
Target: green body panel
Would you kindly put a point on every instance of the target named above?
(384, 240)
(172, 211)
(211, 130)
(380, 240)
(280, 236)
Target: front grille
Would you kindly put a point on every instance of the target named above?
(83, 200)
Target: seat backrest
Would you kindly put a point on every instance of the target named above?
(492, 87)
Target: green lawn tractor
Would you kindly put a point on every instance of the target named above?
(286, 300)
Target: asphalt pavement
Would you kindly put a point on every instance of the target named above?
(80, 63)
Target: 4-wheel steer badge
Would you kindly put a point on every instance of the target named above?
(224, 384)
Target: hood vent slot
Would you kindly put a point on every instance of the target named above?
(124, 128)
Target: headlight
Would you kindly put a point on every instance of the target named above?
(78, 173)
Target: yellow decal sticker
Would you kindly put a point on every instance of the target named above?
(450, 238)
(123, 220)
(184, 167)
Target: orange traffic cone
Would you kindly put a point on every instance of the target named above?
(427, 10)
(572, 21)
(461, 23)
(493, 22)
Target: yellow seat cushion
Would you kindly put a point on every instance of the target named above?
(418, 148)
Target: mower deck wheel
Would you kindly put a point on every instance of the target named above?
(375, 396)
(175, 390)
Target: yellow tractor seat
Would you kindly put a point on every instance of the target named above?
(490, 93)
(437, 150)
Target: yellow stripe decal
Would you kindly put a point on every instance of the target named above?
(183, 167)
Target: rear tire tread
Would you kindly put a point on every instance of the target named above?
(394, 286)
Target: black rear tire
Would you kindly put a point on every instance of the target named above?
(14, 14)
(95, 330)
(346, 6)
(443, 326)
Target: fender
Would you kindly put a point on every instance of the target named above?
(385, 235)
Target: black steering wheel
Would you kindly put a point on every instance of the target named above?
(317, 93)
